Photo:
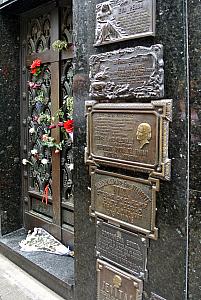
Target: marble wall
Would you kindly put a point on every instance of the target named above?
(10, 164)
(194, 19)
(167, 256)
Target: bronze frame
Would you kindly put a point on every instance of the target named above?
(137, 283)
(161, 108)
(152, 182)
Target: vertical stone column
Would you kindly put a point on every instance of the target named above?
(10, 164)
(85, 281)
(167, 257)
(194, 37)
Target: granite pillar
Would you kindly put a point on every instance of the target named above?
(195, 146)
(10, 164)
(167, 257)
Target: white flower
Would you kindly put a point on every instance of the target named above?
(34, 151)
(31, 130)
(25, 161)
(44, 161)
(71, 135)
(71, 167)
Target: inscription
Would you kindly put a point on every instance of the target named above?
(130, 201)
(130, 136)
(127, 250)
(118, 20)
(126, 73)
(125, 136)
(114, 284)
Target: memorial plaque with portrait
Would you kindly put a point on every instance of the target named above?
(127, 201)
(128, 73)
(113, 284)
(131, 136)
(118, 20)
(125, 249)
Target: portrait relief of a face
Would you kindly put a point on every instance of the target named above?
(143, 134)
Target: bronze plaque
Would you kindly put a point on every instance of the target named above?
(114, 284)
(130, 136)
(128, 201)
(118, 20)
(125, 249)
(127, 73)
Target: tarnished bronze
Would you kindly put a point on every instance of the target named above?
(125, 249)
(128, 201)
(128, 73)
(113, 283)
(118, 20)
(130, 136)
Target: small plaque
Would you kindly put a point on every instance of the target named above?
(113, 284)
(128, 201)
(127, 73)
(125, 249)
(130, 136)
(118, 20)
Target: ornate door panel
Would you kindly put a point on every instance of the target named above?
(46, 106)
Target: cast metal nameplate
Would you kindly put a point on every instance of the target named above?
(113, 283)
(125, 249)
(118, 20)
(130, 136)
(128, 201)
(128, 73)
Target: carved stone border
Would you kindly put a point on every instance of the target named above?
(163, 111)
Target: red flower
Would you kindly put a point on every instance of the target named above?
(36, 63)
(68, 125)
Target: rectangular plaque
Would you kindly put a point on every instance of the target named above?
(128, 73)
(130, 136)
(128, 201)
(114, 284)
(118, 20)
(125, 249)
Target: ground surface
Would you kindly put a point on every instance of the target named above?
(15, 284)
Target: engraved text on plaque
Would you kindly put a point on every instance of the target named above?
(131, 136)
(113, 284)
(130, 202)
(118, 20)
(125, 249)
(128, 73)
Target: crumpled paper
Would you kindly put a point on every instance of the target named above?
(41, 240)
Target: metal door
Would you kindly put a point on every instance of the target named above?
(47, 171)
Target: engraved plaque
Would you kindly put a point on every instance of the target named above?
(130, 136)
(128, 201)
(118, 20)
(128, 73)
(125, 249)
(114, 284)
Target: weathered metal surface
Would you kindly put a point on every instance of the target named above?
(125, 249)
(128, 73)
(130, 136)
(118, 20)
(130, 202)
(113, 283)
